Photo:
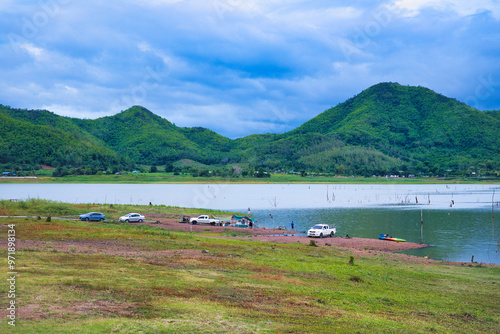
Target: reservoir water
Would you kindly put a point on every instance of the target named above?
(458, 220)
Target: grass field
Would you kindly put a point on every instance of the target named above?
(40, 207)
(77, 277)
(275, 178)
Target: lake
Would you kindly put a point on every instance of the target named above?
(458, 220)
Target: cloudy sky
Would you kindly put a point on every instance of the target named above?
(240, 67)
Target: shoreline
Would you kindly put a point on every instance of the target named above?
(360, 247)
(158, 178)
(285, 236)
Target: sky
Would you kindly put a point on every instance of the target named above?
(241, 67)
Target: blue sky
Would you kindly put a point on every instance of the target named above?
(241, 67)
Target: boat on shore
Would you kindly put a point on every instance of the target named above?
(387, 237)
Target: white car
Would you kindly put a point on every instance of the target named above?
(321, 230)
(132, 217)
(205, 219)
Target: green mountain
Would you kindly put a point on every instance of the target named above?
(387, 128)
(493, 113)
(149, 139)
(416, 125)
(41, 137)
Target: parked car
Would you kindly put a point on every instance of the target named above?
(92, 216)
(205, 219)
(132, 217)
(321, 230)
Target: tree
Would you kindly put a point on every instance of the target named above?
(204, 173)
(169, 168)
(260, 173)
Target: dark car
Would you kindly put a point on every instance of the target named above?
(92, 216)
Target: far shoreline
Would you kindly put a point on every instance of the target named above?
(160, 178)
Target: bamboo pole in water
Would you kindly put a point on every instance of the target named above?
(421, 223)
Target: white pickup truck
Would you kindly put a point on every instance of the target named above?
(321, 230)
(205, 219)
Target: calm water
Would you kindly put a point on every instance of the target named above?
(454, 235)
(458, 219)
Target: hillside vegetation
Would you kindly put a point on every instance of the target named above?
(425, 131)
(39, 137)
(386, 129)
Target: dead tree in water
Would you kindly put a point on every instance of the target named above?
(493, 214)
(328, 197)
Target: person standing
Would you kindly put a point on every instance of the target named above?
(293, 226)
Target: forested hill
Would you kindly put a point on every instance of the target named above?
(421, 128)
(31, 137)
(149, 139)
(494, 114)
(388, 128)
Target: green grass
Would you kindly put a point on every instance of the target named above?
(41, 207)
(136, 279)
(275, 178)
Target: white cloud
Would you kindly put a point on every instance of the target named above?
(260, 66)
(460, 7)
(32, 50)
(161, 2)
(69, 89)
(174, 64)
(5, 5)
(317, 16)
(233, 120)
(70, 110)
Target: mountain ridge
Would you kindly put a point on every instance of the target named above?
(27, 143)
(385, 128)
